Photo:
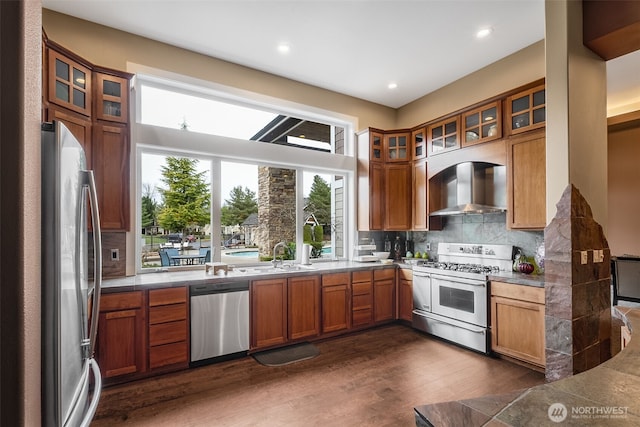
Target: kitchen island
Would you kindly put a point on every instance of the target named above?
(604, 395)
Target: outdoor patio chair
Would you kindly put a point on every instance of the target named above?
(207, 254)
(165, 261)
(171, 252)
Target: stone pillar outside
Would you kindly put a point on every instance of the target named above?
(276, 208)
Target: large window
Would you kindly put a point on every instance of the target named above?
(227, 184)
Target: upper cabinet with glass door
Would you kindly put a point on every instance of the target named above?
(111, 97)
(419, 143)
(482, 124)
(526, 110)
(69, 83)
(444, 135)
(397, 147)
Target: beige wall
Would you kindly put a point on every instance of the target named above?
(20, 213)
(624, 190)
(520, 68)
(576, 112)
(111, 48)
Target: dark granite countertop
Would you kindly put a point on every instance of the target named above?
(605, 395)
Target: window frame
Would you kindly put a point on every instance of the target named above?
(217, 149)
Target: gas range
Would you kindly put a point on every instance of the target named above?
(469, 270)
(474, 261)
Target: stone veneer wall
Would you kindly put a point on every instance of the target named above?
(578, 296)
(276, 208)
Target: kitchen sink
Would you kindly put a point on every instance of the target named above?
(280, 269)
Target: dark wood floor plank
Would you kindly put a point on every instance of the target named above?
(375, 377)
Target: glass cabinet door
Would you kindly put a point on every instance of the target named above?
(69, 83)
(375, 144)
(527, 110)
(397, 146)
(112, 94)
(419, 141)
(482, 124)
(443, 136)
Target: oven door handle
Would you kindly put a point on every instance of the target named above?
(475, 331)
(460, 280)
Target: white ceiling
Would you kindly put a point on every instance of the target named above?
(353, 47)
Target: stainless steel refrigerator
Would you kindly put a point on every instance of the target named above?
(71, 379)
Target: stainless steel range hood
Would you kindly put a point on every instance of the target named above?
(473, 188)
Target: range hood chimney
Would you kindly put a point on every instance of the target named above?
(473, 188)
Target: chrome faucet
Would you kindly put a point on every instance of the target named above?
(275, 250)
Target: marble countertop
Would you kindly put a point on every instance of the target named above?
(605, 395)
(239, 273)
(192, 276)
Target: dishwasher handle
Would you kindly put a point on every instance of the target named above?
(218, 288)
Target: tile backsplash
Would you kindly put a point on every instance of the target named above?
(486, 229)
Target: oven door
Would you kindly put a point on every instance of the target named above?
(459, 298)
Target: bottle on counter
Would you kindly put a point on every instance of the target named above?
(397, 249)
(387, 244)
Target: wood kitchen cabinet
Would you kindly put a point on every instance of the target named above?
(419, 199)
(526, 110)
(398, 192)
(384, 188)
(482, 124)
(384, 290)
(168, 313)
(397, 146)
(361, 298)
(444, 135)
(284, 310)
(268, 313)
(121, 346)
(419, 143)
(526, 181)
(336, 302)
(68, 82)
(93, 102)
(517, 322)
(303, 307)
(405, 294)
(111, 169)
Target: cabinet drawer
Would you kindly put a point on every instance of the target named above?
(168, 354)
(361, 288)
(166, 333)
(120, 301)
(361, 301)
(335, 279)
(362, 317)
(167, 296)
(519, 292)
(167, 313)
(387, 273)
(361, 276)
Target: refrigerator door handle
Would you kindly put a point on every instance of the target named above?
(97, 262)
(91, 410)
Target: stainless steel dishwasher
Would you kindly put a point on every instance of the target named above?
(219, 321)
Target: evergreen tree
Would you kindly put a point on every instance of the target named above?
(148, 206)
(320, 200)
(239, 206)
(186, 199)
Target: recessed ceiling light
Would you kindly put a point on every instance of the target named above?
(284, 48)
(484, 32)
(392, 85)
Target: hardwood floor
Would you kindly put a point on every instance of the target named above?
(374, 377)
